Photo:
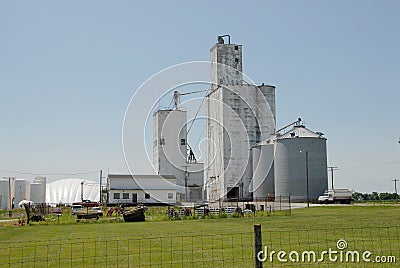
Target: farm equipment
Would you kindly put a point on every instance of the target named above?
(87, 215)
(134, 214)
(35, 212)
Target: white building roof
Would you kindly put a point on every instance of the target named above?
(141, 182)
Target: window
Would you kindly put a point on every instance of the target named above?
(125, 195)
(162, 141)
(116, 196)
(170, 195)
(236, 60)
(183, 142)
(236, 47)
(146, 196)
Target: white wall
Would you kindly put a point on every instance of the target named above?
(156, 196)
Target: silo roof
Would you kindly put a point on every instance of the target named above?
(300, 131)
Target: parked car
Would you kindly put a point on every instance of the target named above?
(57, 211)
(98, 210)
(247, 211)
(76, 208)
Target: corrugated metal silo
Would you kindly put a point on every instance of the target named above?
(291, 152)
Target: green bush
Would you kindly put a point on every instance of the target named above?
(223, 215)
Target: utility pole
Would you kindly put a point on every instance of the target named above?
(308, 194)
(9, 193)
(186, 182)
(101, 190)
(82, 191)
(395, 186)
(332, 169)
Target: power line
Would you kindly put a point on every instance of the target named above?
(201, 104)
(48, 174)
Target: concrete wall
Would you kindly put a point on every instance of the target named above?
(215, 143)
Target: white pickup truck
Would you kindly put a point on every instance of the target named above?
(343, 196)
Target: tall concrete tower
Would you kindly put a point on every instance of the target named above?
(170, 154)
(169, 145)
(226, 65)
(238, 116)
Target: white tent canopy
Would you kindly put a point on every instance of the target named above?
(21, 203)
(67, 191)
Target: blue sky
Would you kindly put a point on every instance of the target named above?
(69, 69)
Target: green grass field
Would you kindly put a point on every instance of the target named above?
(178, 243)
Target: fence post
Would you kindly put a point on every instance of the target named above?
(257, 244)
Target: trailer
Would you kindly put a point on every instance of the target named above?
(343, 196)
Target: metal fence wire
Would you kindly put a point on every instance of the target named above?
(278, 248)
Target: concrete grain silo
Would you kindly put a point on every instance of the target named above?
(263, 169)
(22, 191)
(38, 190)
(300, 153)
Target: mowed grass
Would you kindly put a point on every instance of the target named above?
(199, 243)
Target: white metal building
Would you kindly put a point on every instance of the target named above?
(68, 191)
(170, 154)
(142, 189)
(239, 115)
